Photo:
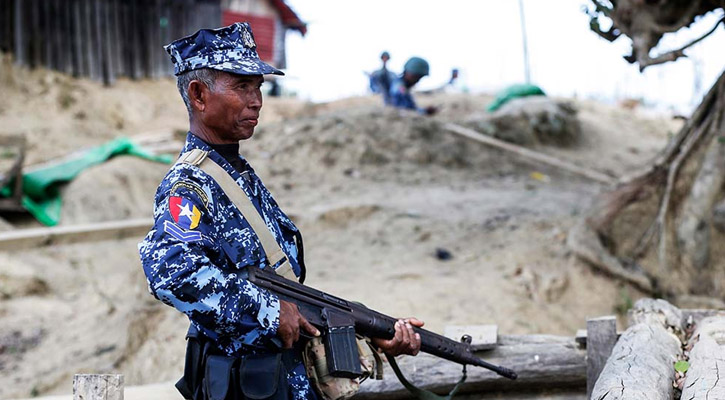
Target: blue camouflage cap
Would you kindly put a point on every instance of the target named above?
(231, 48)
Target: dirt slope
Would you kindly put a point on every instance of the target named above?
(375, 192)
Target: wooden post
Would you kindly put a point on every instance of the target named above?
(601, 337)
(97, 387)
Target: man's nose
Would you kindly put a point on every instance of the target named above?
(255, 100)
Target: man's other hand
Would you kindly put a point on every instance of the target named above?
(405, 341)
(290, 322)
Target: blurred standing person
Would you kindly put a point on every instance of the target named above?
(381, 79)
(399, 95)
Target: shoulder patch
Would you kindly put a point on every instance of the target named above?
(184, 212)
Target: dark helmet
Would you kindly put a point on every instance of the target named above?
(417, 65)
(385, 54)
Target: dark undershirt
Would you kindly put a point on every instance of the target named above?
(230, 152)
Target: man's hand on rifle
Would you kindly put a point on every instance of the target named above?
(405, 341)
(290, 322)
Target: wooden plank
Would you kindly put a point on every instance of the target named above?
(707, 359)
(483, 337)
(87, 40)
(39, 237)
(97, 387)
(106, 43)
(529, 154)
(136, 27)
(65, 40)
(97, 28)
(7, 17)
(19, 29)
(77, 45)
(36, 42)
(541, 361)
(45, 31)
(601, 337)
(117, 39)
(642, 362)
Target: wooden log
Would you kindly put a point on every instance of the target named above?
(529, 154)
(601, 337)
(707, 361)
(656, 312)
(541, 362)
(111, 230)
(97, 387)
(642, 362)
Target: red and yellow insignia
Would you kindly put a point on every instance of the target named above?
(184, 212)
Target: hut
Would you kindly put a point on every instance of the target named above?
(270, 20)
(103, 39)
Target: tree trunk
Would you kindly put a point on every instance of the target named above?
(654, 229)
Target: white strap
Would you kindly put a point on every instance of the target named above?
(274, 253)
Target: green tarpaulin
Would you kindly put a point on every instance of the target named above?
(513, 92)
(41, 194)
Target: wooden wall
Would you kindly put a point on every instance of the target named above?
(101, 39)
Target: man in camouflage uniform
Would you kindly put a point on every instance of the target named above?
(399, 96)
(195, 254)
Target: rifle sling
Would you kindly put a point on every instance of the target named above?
(273, 252)
(423, 394)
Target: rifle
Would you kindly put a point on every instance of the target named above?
(339, 320)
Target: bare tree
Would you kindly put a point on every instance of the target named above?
(655, 228)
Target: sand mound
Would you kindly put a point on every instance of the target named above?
(531, 120)
(122, 188)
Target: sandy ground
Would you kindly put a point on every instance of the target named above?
(375, 192)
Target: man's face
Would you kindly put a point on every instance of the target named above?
(232, 108)
(411, 79)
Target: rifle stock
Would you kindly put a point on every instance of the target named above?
(336, 317)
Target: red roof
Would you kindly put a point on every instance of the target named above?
(289, 17)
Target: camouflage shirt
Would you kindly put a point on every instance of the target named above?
(400, 97)
(194, 253)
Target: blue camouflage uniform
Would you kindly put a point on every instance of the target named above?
(400, 96)
(194, 254)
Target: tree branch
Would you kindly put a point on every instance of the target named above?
(645, 60)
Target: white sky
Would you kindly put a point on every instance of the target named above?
(483, 39)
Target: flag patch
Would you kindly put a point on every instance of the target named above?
(185, 213)
(181, 234)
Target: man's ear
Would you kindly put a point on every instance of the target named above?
(198, 95)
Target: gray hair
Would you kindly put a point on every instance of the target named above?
(207, 76)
